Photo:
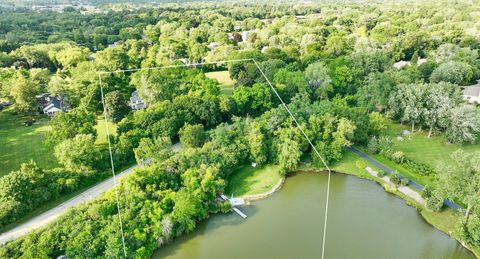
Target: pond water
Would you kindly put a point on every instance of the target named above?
(363, 222)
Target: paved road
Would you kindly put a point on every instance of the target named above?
(390, 171)
(48, 216)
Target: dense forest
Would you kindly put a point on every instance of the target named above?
(345, 70)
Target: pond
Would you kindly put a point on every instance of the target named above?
(363, 222)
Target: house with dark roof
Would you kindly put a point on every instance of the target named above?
(51, 105)
(136, 102)
(472, 93)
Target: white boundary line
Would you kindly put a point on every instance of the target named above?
(192, 66)
(112, 164)
(314, 149)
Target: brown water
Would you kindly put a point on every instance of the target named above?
(363, 222)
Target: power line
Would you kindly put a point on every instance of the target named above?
(314, 149)
(201, 64)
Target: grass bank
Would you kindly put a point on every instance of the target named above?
(250, 181)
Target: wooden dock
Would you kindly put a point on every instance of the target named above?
(235, 209)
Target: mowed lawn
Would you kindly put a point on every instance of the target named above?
(430, 151)
(102, 131)
(223, 77)
(248, 180)
(20, 144)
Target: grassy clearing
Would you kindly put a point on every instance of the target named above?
(226, 83)
(248, 180)
(20, 143)
(102, 131)
(430, 151)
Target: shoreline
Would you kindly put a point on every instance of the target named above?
(408, 200)
(260, 196)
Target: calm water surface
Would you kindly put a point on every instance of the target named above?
(364, 222)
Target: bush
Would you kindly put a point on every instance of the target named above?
(360, 164)
(404, 181)
(427, 192)
(434, 203)
(373, 146)
(398, 157)
(381, 174)
(395, 179)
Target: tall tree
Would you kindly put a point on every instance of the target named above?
(24, 91)
(318, 77)
(460, 179)
(192, 135)
(68, 124)
(116, 106)
(78, 153)
(157, 149)
(463, 124)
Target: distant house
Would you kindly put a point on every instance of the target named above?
(245, 35)
(4, 104)
(51, 105)
(136, 103)
(213, 45)
(472, 93)
(421, 61)
(401, 64)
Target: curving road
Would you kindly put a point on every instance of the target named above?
(50, 215)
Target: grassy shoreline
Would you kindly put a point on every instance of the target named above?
(444, 220)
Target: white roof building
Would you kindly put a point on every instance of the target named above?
(472, 93)
(136, 102)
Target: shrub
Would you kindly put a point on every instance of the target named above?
(434, 203)
(398, 157)
(404, 181)
(427, 192)
(395, 179)
(373, 146)
(360, 164)
(381, 174)
(385, 145)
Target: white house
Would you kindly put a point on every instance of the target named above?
(136, 103)
(472, 93)
(401, 64)
(51, 105)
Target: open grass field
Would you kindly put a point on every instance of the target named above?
(223, 77)
(248, 180)
(102, 131)
(430, 151)
(19, 143)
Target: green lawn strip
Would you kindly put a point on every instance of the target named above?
(20, 143)
(401, 169)
(102, 131)
(430, 151)
(226, 83)
(248, 180)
